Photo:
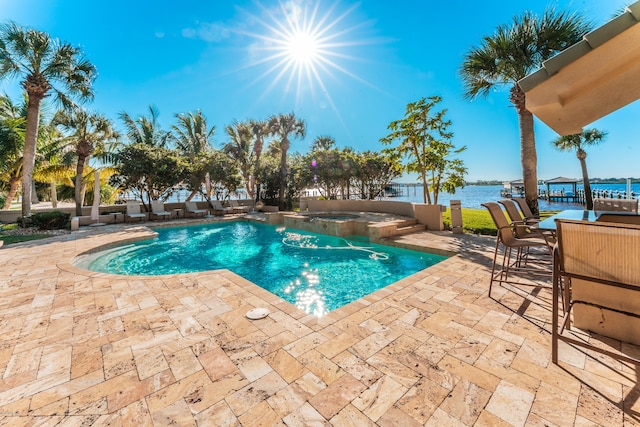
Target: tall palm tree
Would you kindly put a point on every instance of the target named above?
(87, 132)
(509, 55)
(13, 119)
(261, 130)
(323, 143)
(285, 126)
(145, 130)
(240, 148)
(194, 140)
(12, 130)
(192, 136)
(46, 66)
(578, 142)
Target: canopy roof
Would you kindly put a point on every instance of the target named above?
(561, 180)
(590, 79)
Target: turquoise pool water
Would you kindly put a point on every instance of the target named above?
(317, 273)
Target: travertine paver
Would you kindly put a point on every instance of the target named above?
(78, 347)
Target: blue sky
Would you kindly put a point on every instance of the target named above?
(376, 56)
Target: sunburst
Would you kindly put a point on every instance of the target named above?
(302, 46)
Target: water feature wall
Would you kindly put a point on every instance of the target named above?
(331, 227)
(429, 215)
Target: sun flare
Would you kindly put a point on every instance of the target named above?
(301, 47)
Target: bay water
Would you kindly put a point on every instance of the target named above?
(472, 196)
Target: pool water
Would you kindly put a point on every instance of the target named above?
(317, 273)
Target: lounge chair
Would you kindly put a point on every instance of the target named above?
(600, 262)
(133, 211)
(237, 208)
(217, 207)
(157, 209)
(191, 208)
(524, 265)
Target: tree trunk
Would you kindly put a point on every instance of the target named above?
(13, 189)
(54, 195)
(84, 192)
(425, 189)
(247, 186)
(34, 193)
(585, 182)
(284, 147)
(436, 187)
(528, 156)
(29, 152)
(79, 194)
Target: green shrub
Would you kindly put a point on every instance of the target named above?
(24, 221)
(49, 220)
(3, 200)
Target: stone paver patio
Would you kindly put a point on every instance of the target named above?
(84, 348)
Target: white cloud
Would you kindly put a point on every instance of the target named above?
(208, 31)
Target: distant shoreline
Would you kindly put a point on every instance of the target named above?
(496, 182)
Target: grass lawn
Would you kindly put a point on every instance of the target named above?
(478, 221)
(9, 239)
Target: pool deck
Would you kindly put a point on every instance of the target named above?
(85, 348)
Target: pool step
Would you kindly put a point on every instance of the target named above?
(408, 227)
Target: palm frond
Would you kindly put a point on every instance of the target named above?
(515, 50)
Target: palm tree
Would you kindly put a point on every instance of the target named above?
(145, 130)
(13, 119)
(194, 140)
(54, 159)
(192, 136)
(578, 142)
(261, 130)
(12, 130)
(240, 148)
(509, 55)
(323, 143)
(88, 132)
(285, 126)
(42, 63)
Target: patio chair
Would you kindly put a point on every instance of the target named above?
(615, 205)
(191, 209)
(524, 265)
(520, 225)
(217, 207)
(158, 210)
(133, 211)
(529, 217)
(524, 229)
(239, 208)
(620, 218)
(597, 262)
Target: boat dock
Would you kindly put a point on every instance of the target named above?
(579, 197)
(575, 195)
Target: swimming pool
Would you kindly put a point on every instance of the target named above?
(317, 273)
